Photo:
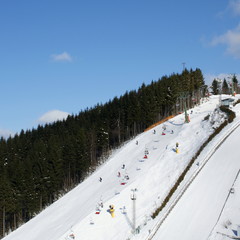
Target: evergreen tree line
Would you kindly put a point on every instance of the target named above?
(37, 166)
(225, 87)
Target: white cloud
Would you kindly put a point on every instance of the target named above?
(233, 9)
(52, 116)
(232, 41)
(234, 6)
(231, 38)
(62, 57)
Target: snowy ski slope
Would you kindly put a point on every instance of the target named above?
(198, 212)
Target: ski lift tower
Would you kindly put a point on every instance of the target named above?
(220, 90)
(134, 198)
(230, 77)
(184, 96)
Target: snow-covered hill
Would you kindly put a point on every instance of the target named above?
(150, 178)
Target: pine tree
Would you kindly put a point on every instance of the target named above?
(214, 87)
(225, 88)
(235, 84)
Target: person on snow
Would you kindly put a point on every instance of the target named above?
(100, 179)
(111, 207)
(123, 166)
(71, 236)
(176, 150)
(98, 209)
(119, 174)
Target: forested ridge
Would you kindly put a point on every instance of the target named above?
(37, 166)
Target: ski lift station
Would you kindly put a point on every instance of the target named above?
(227, 102)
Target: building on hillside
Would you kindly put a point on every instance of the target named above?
(227, 102)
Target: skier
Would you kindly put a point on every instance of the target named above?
(154, 131)
(123, 166)
(136, 142)
(91, 221)
(124, 210)
(100, 179)
(70, 236)
(119, 174)
(98, 209)
(176, 150)
(111, 210)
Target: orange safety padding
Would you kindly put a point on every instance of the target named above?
(159, 122)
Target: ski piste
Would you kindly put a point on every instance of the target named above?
(144, 174)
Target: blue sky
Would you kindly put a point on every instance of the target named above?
(61, 56)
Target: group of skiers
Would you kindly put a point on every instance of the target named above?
(164, 129)
(125, 175)
(111, 210)
(163, 133)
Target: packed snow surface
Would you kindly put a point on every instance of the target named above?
(146, 168)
